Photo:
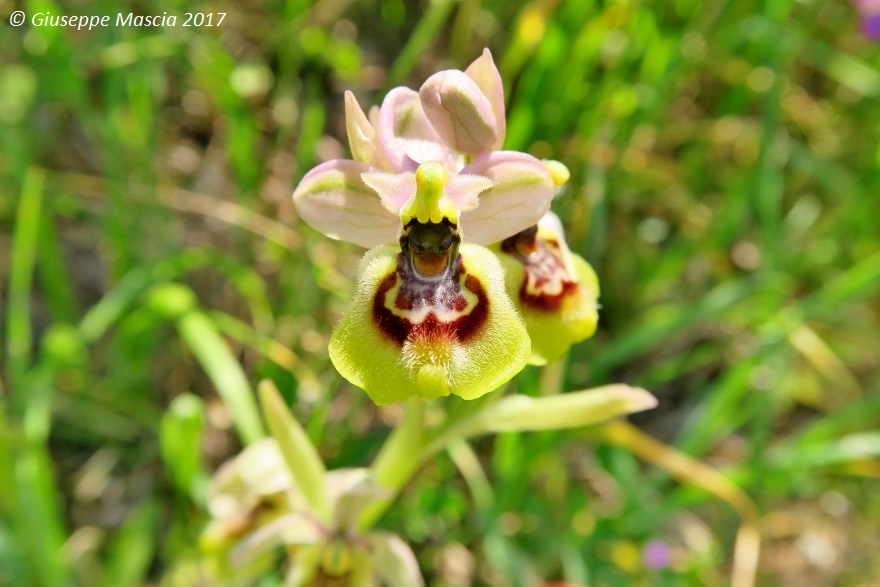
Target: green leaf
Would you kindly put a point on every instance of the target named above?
(851, 447)
(227, 375)
(38, 518)
(423, 35)
(133, 549)
(181, 434)
(177, 302)
(300, 454)
(116, 302)
(24, 250)
(570, 410)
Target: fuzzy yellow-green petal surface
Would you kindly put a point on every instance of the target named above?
(557, 320)
(553, 334)
(468, 352)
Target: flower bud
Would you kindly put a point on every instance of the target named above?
(460, 112)
(555, 290)
(487, 77)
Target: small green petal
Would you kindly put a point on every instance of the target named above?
(336, 558)
(362, 574)
(304, 565)
(468, 358)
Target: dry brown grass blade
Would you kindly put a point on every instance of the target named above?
(89, 186)
(694, 472)
(824, 360)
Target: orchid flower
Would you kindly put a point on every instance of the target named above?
(430, 317)
(554, 289)
(457, 120)
(257, 507)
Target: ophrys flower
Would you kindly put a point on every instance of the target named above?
(430, 317)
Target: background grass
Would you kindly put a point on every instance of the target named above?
(725, 182)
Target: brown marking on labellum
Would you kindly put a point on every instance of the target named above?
(430, 263)
(390, 325)
(416, 292)
(546, 282)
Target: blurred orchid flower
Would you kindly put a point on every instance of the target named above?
(869, 10)
(430, 317)
(457, 120)
(260, 500)
(554, 289)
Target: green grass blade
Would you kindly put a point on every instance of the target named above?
(54, 276)
(39, 519)
(178, 303)
(24, 250)
(181, 434)
(225, 372)
(133, 548)
(419, 41)
(114, 304)
(109, 309)
(300, 454)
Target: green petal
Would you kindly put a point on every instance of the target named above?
(468, 366)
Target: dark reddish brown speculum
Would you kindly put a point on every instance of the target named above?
(547, 281)
(431, 280)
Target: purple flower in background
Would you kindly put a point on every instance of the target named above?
(656, 555)
(869, 11)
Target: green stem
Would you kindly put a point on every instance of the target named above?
(407, 436)
(409, 446)
(462, 422)
(398, 459)
(553, 378)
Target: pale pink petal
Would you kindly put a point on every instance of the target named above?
(405, 135)
(334, 200)
(459, 111)
(393, 560)
(291, 529)
(465, 189)
(394, 189)
(486, 76)
(521, 192)
(423, 151)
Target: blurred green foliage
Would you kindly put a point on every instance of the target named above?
(725, 182)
